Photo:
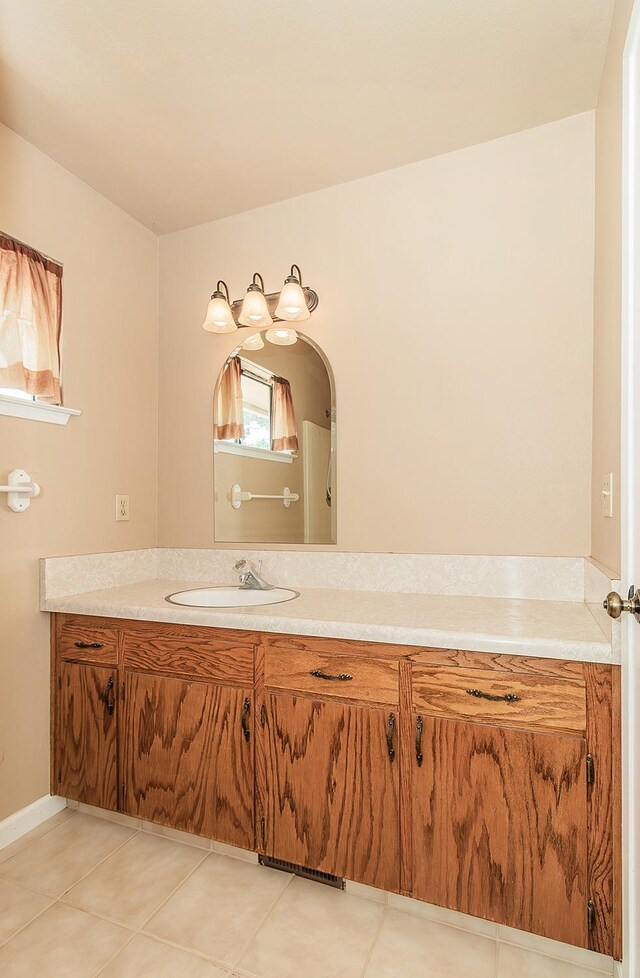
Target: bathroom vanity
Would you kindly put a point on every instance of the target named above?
(483, 782)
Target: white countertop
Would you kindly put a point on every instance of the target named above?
(555, 629)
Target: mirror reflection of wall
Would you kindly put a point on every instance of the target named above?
(274, 429)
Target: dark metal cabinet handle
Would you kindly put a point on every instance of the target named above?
(419, 741)
(108, 697)
(507, 698)
(342, 677)
(390, 728)
(88, 645)
(244, 720)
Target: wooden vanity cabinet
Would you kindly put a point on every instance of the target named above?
(329, 792)
(484, 783)
(188, 734)
(507, 787)
(188, 756)
(86, 755)
(85, 715)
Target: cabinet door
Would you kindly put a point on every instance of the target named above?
(499, 826)
(188, 756)
(86, 743)
(331, 792)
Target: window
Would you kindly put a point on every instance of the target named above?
(30, 322)
(30, 327)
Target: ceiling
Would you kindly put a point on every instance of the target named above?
(183, 111)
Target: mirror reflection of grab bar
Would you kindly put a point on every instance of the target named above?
(239, 496)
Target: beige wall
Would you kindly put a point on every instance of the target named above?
(605, 533)
(110, 354)
(456, 312)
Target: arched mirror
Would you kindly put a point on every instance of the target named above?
(274, 444)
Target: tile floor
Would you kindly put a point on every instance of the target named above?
(82, 896)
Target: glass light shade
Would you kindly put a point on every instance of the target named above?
(254, 342)
(219, 318)
(255, 311)
(292, 305)
(281, 337)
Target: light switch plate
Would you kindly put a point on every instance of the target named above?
(122, 508)
(607, 495)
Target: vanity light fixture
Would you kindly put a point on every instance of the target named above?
(219, 318)
(292, 306)
(255, 311)
(295, 303)
(281, 336)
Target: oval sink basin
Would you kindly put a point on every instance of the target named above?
(230, 596)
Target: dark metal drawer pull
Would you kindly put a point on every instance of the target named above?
(88, 645)
(419, 741)
(390, 728)
(342, 677)
(108, 697)
(244, 720)
(507, 698)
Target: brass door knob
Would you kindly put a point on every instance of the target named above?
(614, 605)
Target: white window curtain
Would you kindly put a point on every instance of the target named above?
(30, 321)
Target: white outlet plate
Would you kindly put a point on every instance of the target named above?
(122, 508)
(607, 495)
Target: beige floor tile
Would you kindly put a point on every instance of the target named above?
(416, 947)
(36, 833)
(518, 962)
(60, 858)
(217, 909)
(133, 882)
(18, 906)
(61, 943)
(443, 916)
(145, 957)
(556, 949)
(314, 931)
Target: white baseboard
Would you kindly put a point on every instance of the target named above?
(617, 969)
(28, 818)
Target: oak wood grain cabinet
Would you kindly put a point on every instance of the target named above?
(188, 756)
(485, 783)
(188, 732)
(506, 788)
(331, 788)
(85, 756)
(84, 715)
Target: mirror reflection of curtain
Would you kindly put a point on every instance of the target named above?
(283, 425)
(229, 418)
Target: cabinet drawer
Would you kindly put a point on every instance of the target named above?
(198, 659)
(347, 677)
(79, 643)
(538, 701)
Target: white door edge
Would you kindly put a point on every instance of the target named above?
(630, 489)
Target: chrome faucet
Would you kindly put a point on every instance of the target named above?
(250, 578)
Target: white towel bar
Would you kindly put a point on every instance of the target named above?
(238, 496)
(20, 490)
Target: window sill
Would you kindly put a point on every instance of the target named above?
(227, 448)
(18, 407)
